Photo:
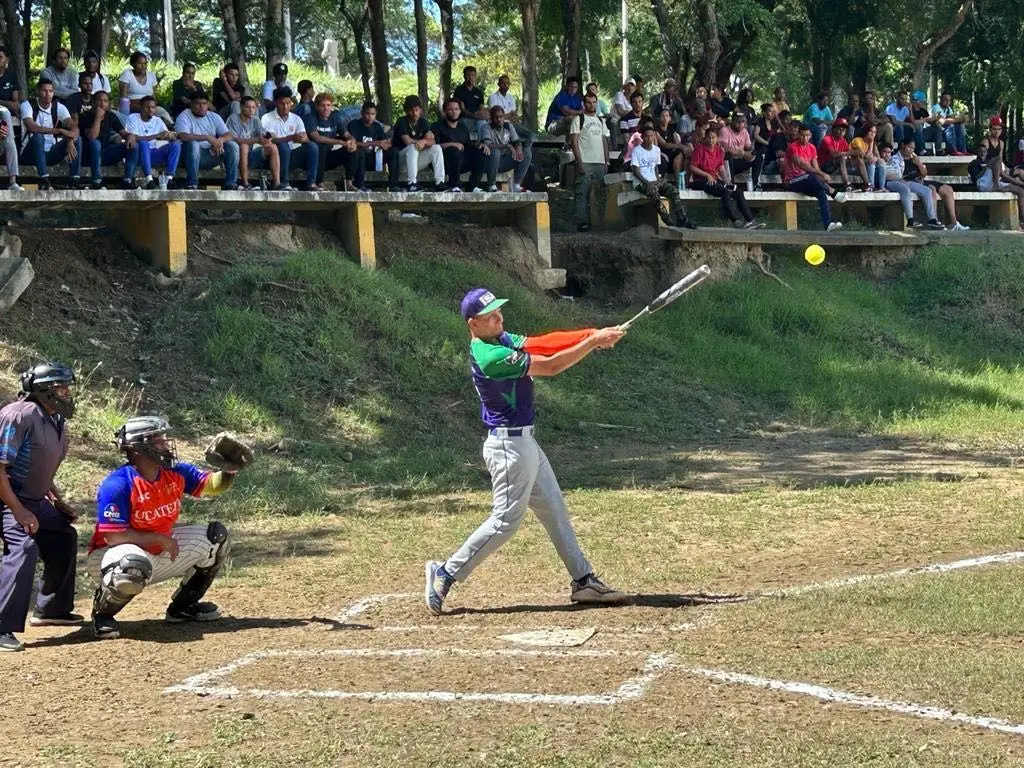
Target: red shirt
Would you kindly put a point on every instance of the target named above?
(805, 152)
(829, 146)
(707, 159)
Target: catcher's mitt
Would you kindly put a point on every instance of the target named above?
(229, 454)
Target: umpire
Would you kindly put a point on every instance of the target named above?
(36, 523)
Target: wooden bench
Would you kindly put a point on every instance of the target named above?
(153, 222)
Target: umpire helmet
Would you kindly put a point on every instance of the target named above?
(40, 382)
(147, 436)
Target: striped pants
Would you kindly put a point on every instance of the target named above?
(195, 550)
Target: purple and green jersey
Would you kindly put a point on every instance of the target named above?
(501, 376)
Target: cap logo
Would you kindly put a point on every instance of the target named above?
(486, 299)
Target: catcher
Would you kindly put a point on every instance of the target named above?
(136, 541)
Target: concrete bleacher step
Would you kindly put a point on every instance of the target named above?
(16, 274)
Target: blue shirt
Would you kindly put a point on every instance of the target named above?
(563, 99)
(814, 112)
(897, 113)
(32, 446)
(500, 372)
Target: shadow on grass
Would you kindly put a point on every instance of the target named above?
(658, 600)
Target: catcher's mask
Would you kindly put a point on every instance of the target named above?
(52, 386)
(147, 436)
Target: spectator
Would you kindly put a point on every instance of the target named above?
(206, 143)
(921, 117)
(148, 140)
(987, 168)
(305, 107)
(91, 66)
(452, 134)
(800, 173)
(738, 148)
(951, 125)
(781, 105)
(869, 115)
(864, 151)
(819, 117)
(834, 152)
(471, 101)
(669, 99)
(10, 96)
(135, 82)
(669, 142)
(102, 138)
(602, 107)
(228, 91)
(899, 116)
(50, 136)
(775, 157)
(708, 175)
(720, 104)
(906, 189)
(700, 91)
(637, 138)
(81, 102)
(644, 163)
(278, 79)
(566, 105)
(64, 79)
(688, 121)
(288, 132)
(184, 89)
(416, 146)
(589, 141)
(916, 170)
(9, 107)
(850, 113)
(502, 151)
(765, 128)
(621, 103)
(744, 105)
(373, 142)
(255, 149)
(629, 123)
(639, 82)
(328, 131)
(502, 98)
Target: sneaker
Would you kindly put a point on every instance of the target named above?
(64, 620)
(229, 187)
(456, 190)
(15, 187)
(395, 188)
(105, 628)
(414, 188)
(476, 189)
(9, 642)
(839, 197)
(45, 183)
(753, 224)
(682, 220)
(74, 183)
(517, 188)
(493, 188)
(317, 188)
(194, 612)
(582, 227)
(958, 227)
(665, 217)
(127, 184)
(96, 184)
(283, 188)
(869, 188)
(438, 582)
(914, 224)
(591, 589)
(935, 224)
(739, 224)
(835, 225)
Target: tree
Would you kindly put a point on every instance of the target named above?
(707, 64)
(357, 19)
(447, 11)
(16, 43)
(274, 34)
(927, 48)
(234, 32)
(572, 23)
(421, 51)
(381, 67)
(528, 11)
(55, 31)
(156, 30)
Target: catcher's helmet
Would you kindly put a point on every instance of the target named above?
(39, 383)
(147, 436)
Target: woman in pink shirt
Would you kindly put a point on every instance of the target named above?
(707, 174)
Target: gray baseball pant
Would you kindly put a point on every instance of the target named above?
(521, 478)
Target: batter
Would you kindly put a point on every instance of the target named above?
(503, 366)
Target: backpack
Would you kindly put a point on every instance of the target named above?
(35, 118)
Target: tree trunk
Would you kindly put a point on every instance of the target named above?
(94, 32)
(572, 23)
(707, 26)
(156, 30)
(936, 40)
(421, 50)
(16, 43)
(54, 34)
(286, 21)
(669, 49)
(381, 66)
(233, 33)
(861, 66)
(79, 41)
(26, 31)
(241, 13)
(167, 14)
(357, 21)
(447, 11)
(528, 10)
(274, 34)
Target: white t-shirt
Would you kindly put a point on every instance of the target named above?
(592, 136)
(142, 128)
(270, 86)
(211, 124)
(279, 127)
(137, 90)
(45, 119)
(647, 160)
(506, 102)
(622, 103)
(101, 82)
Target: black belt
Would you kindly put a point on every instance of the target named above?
(509, 431)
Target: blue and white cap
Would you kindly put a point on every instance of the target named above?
(480, 301)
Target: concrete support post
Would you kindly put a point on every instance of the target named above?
(535, 221)
(354, 225)
(1003, 214)
(158, 232)
(894, 218)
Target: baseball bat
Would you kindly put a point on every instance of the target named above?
(670, 294)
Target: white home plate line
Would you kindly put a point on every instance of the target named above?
(206, 684)
(824, 693)
(362, 606)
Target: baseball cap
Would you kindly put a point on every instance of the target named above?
(479, 301)
(631, 81)
(841, 122)
(920, 96)
(995, 120)
(280, 68)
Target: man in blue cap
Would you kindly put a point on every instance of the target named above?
(924, 123)
(503, 366)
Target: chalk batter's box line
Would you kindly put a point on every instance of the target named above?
(207, 683)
